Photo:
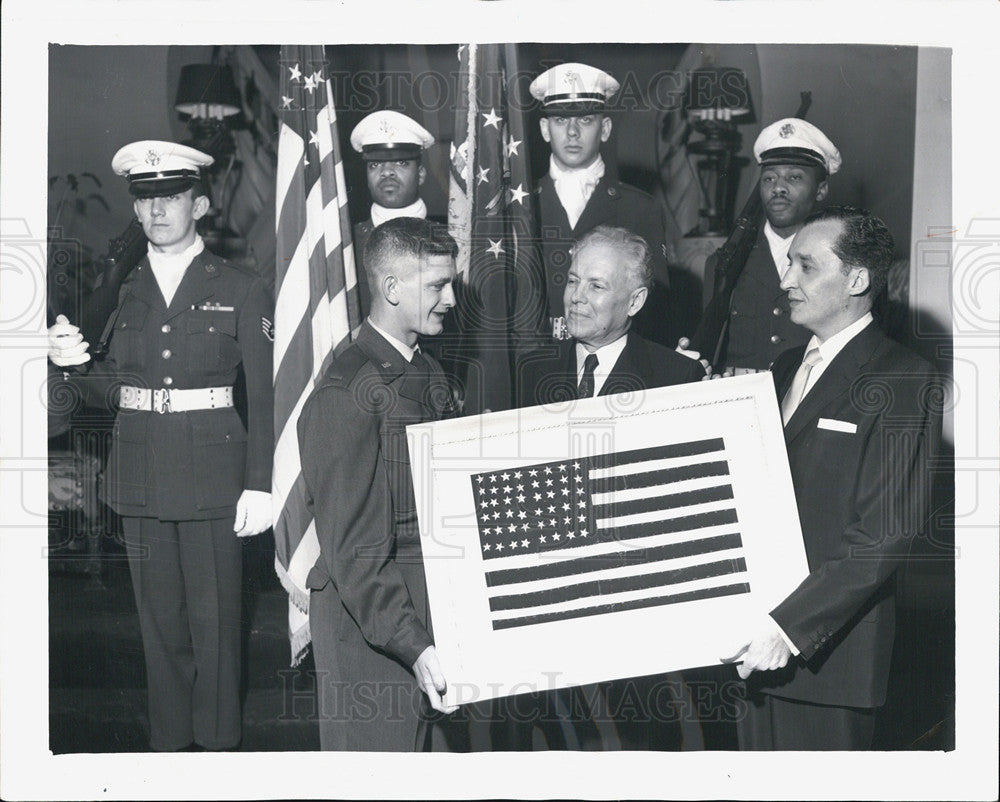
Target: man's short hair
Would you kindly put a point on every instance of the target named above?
(864, 241)
(628, 243)
(404, 236)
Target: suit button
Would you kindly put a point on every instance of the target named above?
(166, 353)
(212, 329)
(733, 313)
(165, 328)
(775, 339)
(167, 381)
(777, 312)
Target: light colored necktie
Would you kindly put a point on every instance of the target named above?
(798, 389)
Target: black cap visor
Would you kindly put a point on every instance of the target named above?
(390, 151)
(159, 185)
(801, 157)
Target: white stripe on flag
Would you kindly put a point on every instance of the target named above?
(621, 571)
(657, 465)
(286, 454)
(305, 557)
(627, 596)
(290, 151)
(635, 493)
(663, 515)
(292, 302)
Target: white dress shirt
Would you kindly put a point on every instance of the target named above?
(574, 187)
(779, 246)
(833, 346)
(169, 268)
(607, 356)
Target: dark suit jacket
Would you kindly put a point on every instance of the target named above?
(549, 374)
(356, 467)
(615, 204)
(862, 498)
(188, 465)
(760, 326)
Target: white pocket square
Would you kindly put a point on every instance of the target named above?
(837, 425)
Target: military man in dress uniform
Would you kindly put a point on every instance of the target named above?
(391, 145)
(185, 474)
(795, 159)
(580, 192)
(378, 677)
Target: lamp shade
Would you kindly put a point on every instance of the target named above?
(207, 90)
(719, 93)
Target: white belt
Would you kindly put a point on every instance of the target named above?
(175, 400)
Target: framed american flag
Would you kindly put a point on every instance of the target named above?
(604, 538)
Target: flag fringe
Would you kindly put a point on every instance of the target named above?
(296, 595)
(300, 641)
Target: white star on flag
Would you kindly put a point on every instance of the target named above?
(517, 195)
(483, 176)
(311, 83)
(492, 119)
(314, 138)
(296, 74)
(496, 248)
(286, 102)
(512, 146)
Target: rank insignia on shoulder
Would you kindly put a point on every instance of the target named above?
(267, 326)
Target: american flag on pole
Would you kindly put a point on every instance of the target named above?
(317, 306)
(491, 214)
(581, 513)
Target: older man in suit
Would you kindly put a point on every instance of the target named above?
(607, 284)
(378, 675)
(861, 427)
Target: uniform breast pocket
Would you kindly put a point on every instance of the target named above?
(128, 339)
(211, 339)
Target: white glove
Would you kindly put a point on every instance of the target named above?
(253, 513)
(681, 348)
(66, 345)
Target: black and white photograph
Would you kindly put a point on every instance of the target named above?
(504, 390)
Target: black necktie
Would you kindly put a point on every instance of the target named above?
(586, 388)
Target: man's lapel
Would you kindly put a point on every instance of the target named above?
(627, 374)
(835, 381)
(394, 370)
(196, 286)
(142, 285)
(595, 212)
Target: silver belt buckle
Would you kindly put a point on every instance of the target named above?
(161, 401)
